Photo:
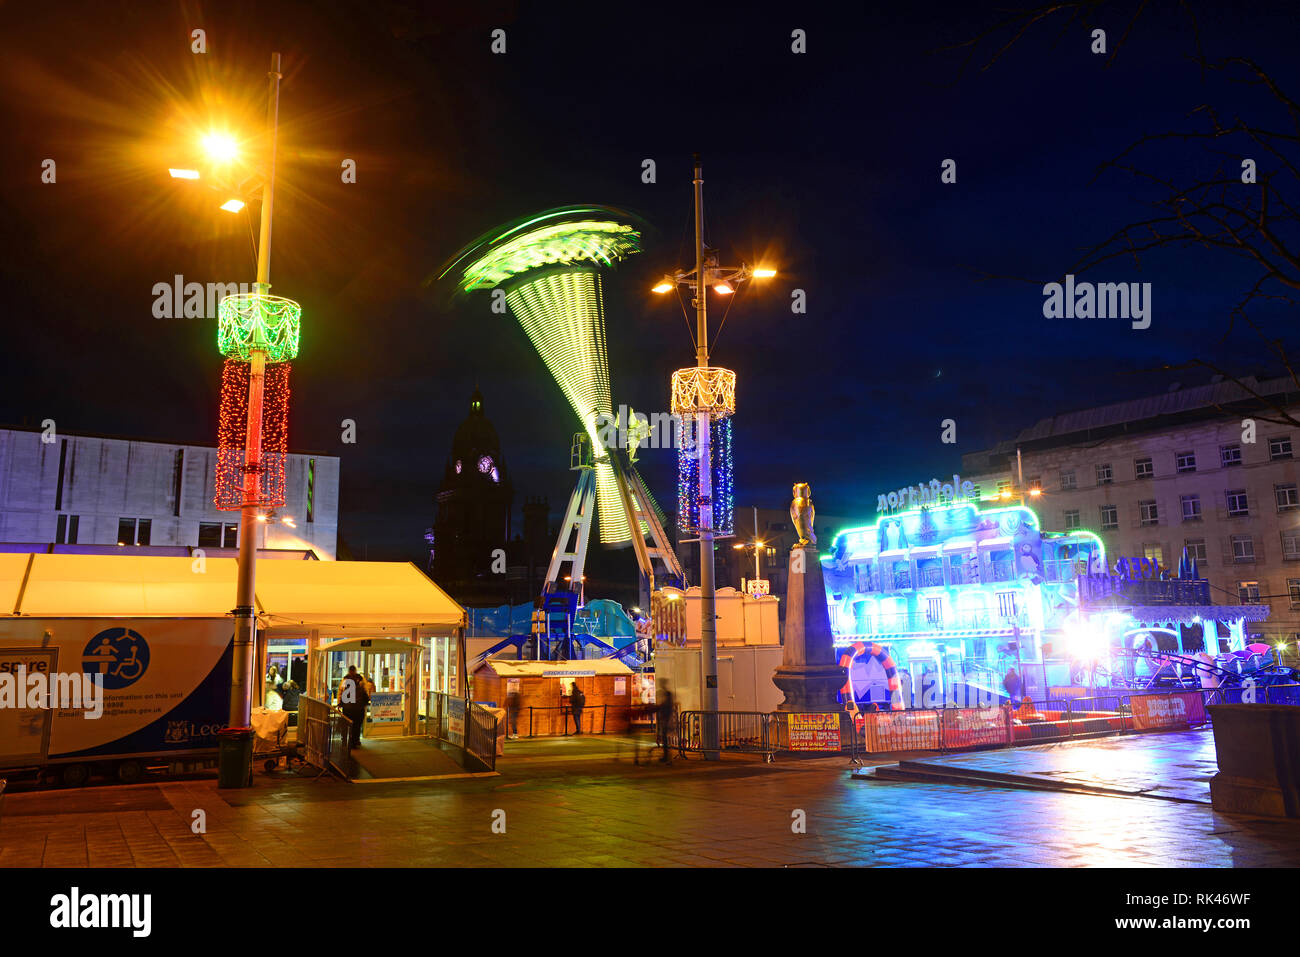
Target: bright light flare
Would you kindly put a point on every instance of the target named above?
(233, 205)
(220, 147)
(183, 173)
(763, 272)
(723, 289)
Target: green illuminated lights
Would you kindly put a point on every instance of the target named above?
(600, 243)
(252, 322)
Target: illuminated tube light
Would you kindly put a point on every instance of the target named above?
(233, 205)
(183, 173)
(764, 273)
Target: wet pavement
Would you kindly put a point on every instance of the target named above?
(589, 803)
(1173, 765)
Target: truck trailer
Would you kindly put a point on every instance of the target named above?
(154, 691)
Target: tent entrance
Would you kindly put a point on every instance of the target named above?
(392, 665)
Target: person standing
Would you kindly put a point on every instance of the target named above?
(353, 699)
(577, 701)
(664, 720)
(512, 714)
(1012, 685)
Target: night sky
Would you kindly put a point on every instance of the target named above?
(826, 165)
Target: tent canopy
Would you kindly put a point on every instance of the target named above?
(329, 595)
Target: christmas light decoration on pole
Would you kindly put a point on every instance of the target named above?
(706, 395)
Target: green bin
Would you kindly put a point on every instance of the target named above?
(234, 757)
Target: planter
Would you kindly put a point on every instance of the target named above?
(1258, 749)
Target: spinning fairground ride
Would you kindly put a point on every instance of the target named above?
(546, 268)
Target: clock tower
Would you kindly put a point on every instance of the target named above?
(473, 514)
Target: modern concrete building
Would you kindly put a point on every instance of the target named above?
(1196, 468)
(61, 490)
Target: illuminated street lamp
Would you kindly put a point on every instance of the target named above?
(252, 331)
(708, 395)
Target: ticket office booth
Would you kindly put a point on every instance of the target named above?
(393, 664)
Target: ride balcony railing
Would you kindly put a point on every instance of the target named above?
(921, 622)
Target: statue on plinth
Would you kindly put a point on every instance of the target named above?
(802, 514)
(810, 674)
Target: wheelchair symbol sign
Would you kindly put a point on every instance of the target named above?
(120, 655)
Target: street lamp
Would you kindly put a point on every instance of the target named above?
(707, 394)
(253, 330)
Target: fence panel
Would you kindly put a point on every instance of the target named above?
(325, 733)
(481, 734)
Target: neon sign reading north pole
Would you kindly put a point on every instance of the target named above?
(936, 493)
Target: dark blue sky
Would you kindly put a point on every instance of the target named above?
(826, 164)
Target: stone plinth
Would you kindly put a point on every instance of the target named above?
(1258, 747)
(809, 675)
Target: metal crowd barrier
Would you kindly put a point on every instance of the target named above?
(749, 732)
(468, 729)
(324, 736)
(481, 734)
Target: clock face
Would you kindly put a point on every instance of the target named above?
(485, 464)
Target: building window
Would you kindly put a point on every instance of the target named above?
(1036, 483)
(209, 535)
(933, 609)
(1110, 516)
(1243, 548)
(143, 531)
(178, 480)
(1196, 549)
(1071, 518)
(1068, 482)
(1143, 468)
(1229, 455)
(1293, 586)
(1291, 546)
(73, 521)
(1004, 487)
(1187, 461)
(126, 531)
(311, 490)
(1149, 512)
(1007, 604)
(232, 536)
(1156, 553)
(1238, 503)
(1279, 448)
(1248, 593)
(1104, 476)
(61, 528)
(1191, 508)
(1287, 497)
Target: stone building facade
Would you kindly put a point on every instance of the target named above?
(1197, 468)
(64, 490)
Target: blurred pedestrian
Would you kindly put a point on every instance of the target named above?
(1012, 685)
(664, 721)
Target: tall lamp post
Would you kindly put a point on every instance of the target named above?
(258, 334)
(706, 394)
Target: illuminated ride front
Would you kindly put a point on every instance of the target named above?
(952, 595)
(547, 267)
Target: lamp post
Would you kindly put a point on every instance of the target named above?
(706, 394)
